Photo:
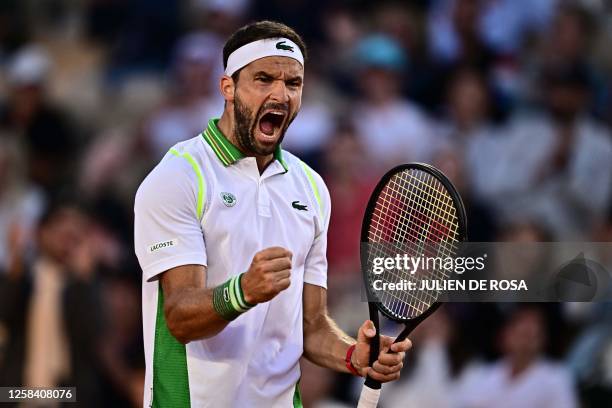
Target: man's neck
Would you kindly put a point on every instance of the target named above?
(519, 365)
(226, 126)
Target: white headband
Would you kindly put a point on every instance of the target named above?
(268, 47)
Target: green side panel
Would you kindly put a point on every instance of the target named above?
(170, 378)
(297, 397)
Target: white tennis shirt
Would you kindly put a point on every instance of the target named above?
(206, 204)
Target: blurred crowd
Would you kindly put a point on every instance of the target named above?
(509, 98)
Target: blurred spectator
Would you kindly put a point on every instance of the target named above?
(145, 38)
(457, 28)
(193, 95)
(14, 29)
(50, 309)
(350, 190)
(430, 376)
(309, 133)
(221, 17)
(469, 130)
(42, 128)
(570, 37)
(102, 17)
(569, 41)
(334, 56)
(121, 350)
(392, 129)
(481, 218)
(591, 359)
(20, 203)
(302, 15)
(455, 36)
(468, 148)
(522, 378)
(557, 162)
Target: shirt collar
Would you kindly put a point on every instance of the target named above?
(226, 152)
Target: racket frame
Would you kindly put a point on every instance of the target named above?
(375, 307)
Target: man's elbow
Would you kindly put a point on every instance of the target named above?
(176, 326)
(312, 324)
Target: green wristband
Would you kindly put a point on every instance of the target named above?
(228, 299)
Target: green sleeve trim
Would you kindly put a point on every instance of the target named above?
(313, 184)
(201, 183)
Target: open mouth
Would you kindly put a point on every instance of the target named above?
(271, 122)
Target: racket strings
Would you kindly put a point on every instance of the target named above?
(417, 208)
(414, 209)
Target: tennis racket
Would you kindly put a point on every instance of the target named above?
(414, 210)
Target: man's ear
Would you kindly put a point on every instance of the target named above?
(227, 88)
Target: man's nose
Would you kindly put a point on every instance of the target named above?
(279, 92)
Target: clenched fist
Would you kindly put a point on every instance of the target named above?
(268, 275)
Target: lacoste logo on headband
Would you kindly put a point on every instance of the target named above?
(267, 47)
(282, 46)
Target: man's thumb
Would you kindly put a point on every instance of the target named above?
(366, 332)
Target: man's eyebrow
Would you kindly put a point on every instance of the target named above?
(263, 74)
(297, 78)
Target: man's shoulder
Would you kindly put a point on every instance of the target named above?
(194, 147)
(294, 163)
(180, 166)
(185, 156)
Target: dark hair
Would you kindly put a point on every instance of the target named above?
(258, 31)
(574, 75)
(57, 205)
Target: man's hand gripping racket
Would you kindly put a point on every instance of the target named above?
(415, 211)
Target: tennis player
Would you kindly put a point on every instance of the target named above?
(230, 232)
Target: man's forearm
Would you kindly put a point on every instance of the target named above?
(325, 344)
(188, 305)
(190, 315)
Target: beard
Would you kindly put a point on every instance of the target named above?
(246, 124)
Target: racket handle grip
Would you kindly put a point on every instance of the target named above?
(368, 398)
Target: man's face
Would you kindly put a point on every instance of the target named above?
(524, 336)
(565, 101)
(267, 98)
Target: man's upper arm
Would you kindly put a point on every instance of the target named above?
(167, 230)
(183, 277)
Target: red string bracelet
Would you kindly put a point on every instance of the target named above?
(349, 363)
